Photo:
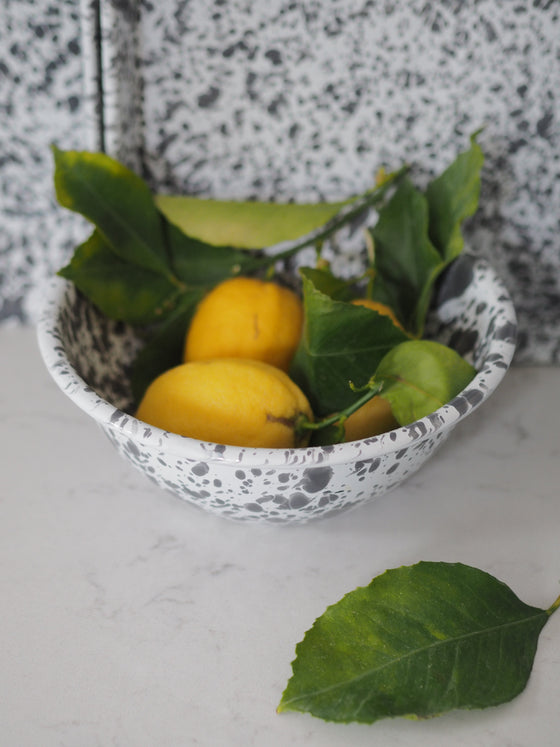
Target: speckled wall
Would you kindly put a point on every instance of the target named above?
(43, 99)
(305, 100)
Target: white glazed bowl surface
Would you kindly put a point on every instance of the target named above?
(87, 355)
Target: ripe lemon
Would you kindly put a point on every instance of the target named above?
(371, 419)
(381, 308)
(246, 318)
(228, 401)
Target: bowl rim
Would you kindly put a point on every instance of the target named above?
(110, 417)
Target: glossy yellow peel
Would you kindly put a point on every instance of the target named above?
(246, 318)
(228, 401)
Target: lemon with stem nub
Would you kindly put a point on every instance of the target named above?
(231, 401)
(246, 317)
(372, 419)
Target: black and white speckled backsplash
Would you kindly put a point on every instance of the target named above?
(43, 99)
(291, 100)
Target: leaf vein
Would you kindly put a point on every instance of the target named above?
(414, 652)
(117, 218)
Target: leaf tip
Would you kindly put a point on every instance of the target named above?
(58, 154)
(476, 133)
(283, 704)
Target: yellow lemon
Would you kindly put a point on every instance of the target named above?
(228, 401)
(371, 419)
(381, 308)
(246, 318)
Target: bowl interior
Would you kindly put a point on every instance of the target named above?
(89, 356)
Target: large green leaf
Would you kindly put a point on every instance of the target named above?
(453, 197)
(406, 262)
(120, 289)
(256, 225)
(199, 264)
(248, 225)
(419, 376)
(117, 201)
(418, 641)
(340, 343)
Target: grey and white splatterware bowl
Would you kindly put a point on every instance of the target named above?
(87, 355)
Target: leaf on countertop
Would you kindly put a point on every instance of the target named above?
(419, 376)
(418, 641)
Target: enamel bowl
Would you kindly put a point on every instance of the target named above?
(88, 355)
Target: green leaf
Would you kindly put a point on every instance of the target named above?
(452, 198)
(316, 230)
(164, 347)
(248, 225)
(406, 262)
(340, 343)
(421, 375)
(324, 281)
(352, 212)
(418, 641)
(117, 202)
(203, 265)
(121, 290)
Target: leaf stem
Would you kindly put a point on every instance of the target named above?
(304, 424)
(345, 216)
(553, 607)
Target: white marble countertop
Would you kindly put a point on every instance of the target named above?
(131, 618)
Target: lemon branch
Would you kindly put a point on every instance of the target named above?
(338, 419)
(347, 215)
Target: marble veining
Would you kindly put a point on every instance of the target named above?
(130, 618)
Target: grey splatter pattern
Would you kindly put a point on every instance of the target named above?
(89, 355)
(287, 101)
(306, 100)
(43, 100)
